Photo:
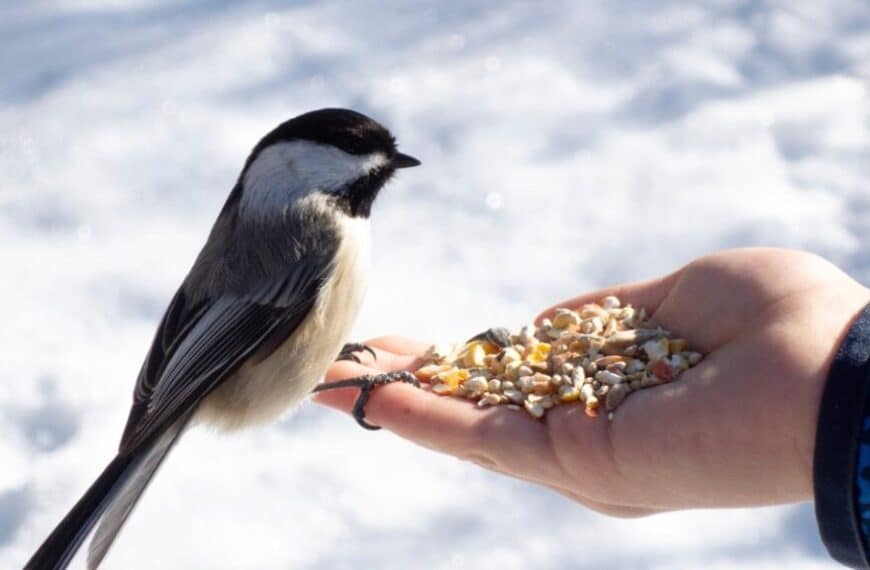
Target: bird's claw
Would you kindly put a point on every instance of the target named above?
(366, 384)
(348, 352)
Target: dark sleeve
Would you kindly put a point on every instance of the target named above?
(841, 466)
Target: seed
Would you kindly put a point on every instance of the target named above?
(526, 384)
(491, 362)
(541, 384)
(615, 396)
(442, 389)
(514, 396)
(650, 380)
(589, 367)
(587, 394)
(661, 369)
(547, 402)
(593, 310)
(593, 355)
(489, 400)
(536, 410)
(656, 349)
(527, 335)
(512, 370)
(605, 361)
(608, 377)
(634, 365)
(623, 339)
(453, 377)
(538, 353)
(476, 385)
(474, 355)
(510, 355)
(595, 345)
(426, 373)
(558, 360)
(677, 362)
(439, 352)
(591, 326)
(568, 393)
(565, 318)
(578, 377)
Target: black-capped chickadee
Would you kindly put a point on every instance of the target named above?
(265, 309)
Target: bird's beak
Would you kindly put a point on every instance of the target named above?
(404, 161)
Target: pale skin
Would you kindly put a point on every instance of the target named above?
(737, 430)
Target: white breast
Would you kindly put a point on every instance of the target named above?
(260, 392)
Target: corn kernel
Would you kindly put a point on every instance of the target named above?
(474, 355)
(453, 378)
(539, 352)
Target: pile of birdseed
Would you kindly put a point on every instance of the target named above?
(597, 355)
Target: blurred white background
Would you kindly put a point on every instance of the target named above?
(566, 146)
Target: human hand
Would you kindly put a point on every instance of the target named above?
(737, 430)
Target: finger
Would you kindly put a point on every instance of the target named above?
(647, 294)
(400, 345)
(455, 427)
(384, 361)
(500, 439)
(610, 509)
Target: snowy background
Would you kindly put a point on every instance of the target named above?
(565, 147)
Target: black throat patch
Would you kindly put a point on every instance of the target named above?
(356, 200)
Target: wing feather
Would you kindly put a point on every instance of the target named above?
(210, 341)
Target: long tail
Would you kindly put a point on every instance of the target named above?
(111, 498)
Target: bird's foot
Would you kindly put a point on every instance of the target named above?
(366, 384)
(499, 336)
(348, 351)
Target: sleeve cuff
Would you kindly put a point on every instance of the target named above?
(841, 465)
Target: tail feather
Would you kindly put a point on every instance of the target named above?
(110, 500)
(128, 494)
(63, 542)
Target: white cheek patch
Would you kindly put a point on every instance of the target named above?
(287, 171)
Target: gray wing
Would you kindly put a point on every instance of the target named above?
(198, 345)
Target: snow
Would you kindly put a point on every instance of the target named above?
(566, 146)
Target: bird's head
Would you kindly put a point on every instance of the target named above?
(337, 152)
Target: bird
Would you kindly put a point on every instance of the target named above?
(266, 307)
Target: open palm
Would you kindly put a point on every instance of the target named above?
(737, 430)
